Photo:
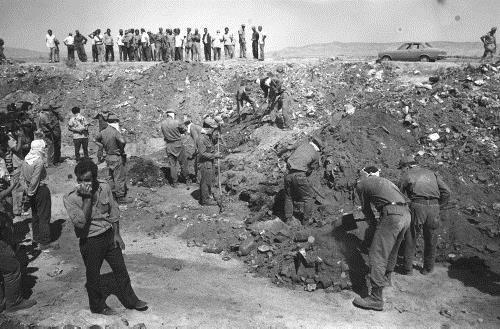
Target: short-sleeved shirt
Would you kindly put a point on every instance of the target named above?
(241, 34)
(109, 138)
(80, 123)
(145, 39)
(105, 211)
(228, 39)
(50, 41)
(69, 40)
(108, 40)
(262, 37)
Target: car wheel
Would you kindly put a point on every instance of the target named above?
(425, 58)
(385, 59)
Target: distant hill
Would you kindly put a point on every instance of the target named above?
(19, 53)
(359, 49)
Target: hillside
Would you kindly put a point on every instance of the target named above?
(20, 53)
(361, 49)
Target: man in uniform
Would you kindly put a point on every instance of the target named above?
(95, 215)
(111, 140)
(172, 130)
(390, 228)
(242, 97)
(49, 124)
(303, 161)
(489, 43)
(427, 192)
(206, 155)
(276, 95)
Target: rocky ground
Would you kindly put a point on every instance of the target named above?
(242, 268)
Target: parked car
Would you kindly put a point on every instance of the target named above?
(413, 51)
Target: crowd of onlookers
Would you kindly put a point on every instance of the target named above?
(165, 45)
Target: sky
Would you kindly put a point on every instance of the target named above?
(24, 23)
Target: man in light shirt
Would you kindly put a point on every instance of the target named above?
(51, 44)
(262, 42)
(216, 44)
(70, 44)
(108, 43)
(228, 44)
(146, 50)
(243, 42)
(178, 44)
(121, 47)
(99, 43)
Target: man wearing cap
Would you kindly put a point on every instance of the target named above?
(48, 122)
(172, 130)
(489, 43)
(394, 219)
(111, 140)
(206, 155)
(242, 98)
(243, 42)
(427, 192)
(303, 161)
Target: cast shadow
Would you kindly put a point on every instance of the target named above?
(473, 272)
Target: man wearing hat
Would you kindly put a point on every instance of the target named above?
(206, 155)
(48, 122)
(303, 161)
(394, 220)
(243, 42)
(489, 43)
(172, 130)
(112, 141)
(427, 192)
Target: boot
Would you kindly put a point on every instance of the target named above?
(373, 302)
(388, 277)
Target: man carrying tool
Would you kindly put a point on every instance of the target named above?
(489, 43)
(242, 98)
(390, 228)
(276, 95)
(207, 153)
(172, 130)
(303, 161)
(112, 141)
(427, 192)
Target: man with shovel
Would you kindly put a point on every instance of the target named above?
(390, 229)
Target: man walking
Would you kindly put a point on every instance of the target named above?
(172, 130)
(389, 231)
(79, 126)
(80, 40)
(206, 155)
(303, 161)
(255, 43)
(243, 42)
(489, 43)
(95, 216)
(207, 45)
(51, 44)
(69, 42)
(262, 42)
(49, 124)
(113, 143)
(427, 192)
(109, 44)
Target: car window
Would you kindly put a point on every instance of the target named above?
(403, 46)
(428, 45)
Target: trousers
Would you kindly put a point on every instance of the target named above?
(207, 180)
(94, 251)
(196, 51)
(389, 233)
(424, 217)
(110, 53)
(10, 274)
(255, 49)
(282, 103)
(71, 52)
(17, 193)
(243, 49)
(84, 144)
(80, 50)
(298, 188)
(261, 46)
(117, 176)
(208, 52)
(176, 155)
(41, 205)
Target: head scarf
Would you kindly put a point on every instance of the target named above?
(36, 152)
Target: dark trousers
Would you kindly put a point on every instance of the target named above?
(424, 217)
(10, 274)
(41, 204)
(57, 149)
(207, 179)
(240, 102)
(131, 53)
(110, 53)
(122, 51)
(298, 188)
(208, 52)
(117, 176)
(243, 50)
(217, 52)
(389, 233)
(94, 251)
(146, 53)
(80, 50)
(282, 102)
(178, 53)
(261, 46)
(95, 54)
(255, 49)
(84, 144)
(71, 52)
(176, 161)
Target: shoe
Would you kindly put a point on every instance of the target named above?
(209, 203)
(373, 302)
(108, 311)
(24, 304)
(141, 306)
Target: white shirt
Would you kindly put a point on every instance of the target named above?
(98, 39)
(145, 39)
(261, 37)
(50, 41)
(228, 39)
(217, 41)
(119, 40)
(178, 41)
(69, 41)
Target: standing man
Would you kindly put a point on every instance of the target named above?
(206, 155)
(99, 43)
(113, 143)
(79, 126)
(109, 44)
(50, 42)
(243, 42)
(178, 44)
(160, 45)
(80, 41)
(95, 215)
(95, 57)
(194, 131)
(207, 45)
(188, 44)
(172, 130)
(255, 43)
(69, 42)
(241, 98)
(427, 192)
(121, 46)
(146, 46)
(51, 128)
(276, 95)
(196, 46)
(303, 161)
(262, 43)
(2, 55)
(390, 229)
(489, 43)
(217, 43)
(228, 43)
(170, 39)
(136, 41)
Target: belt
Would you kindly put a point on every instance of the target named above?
(425, 201)
(395, 204)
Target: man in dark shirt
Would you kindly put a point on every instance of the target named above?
(276, 96)
(207, 44)
(427, 192)
(111, 140)
(255, 43)
(51, 128)
(95, 215)
(489, 44)
(241, 98)
(206, 155)
(172, 130)
(394, 220)
(304, 160)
